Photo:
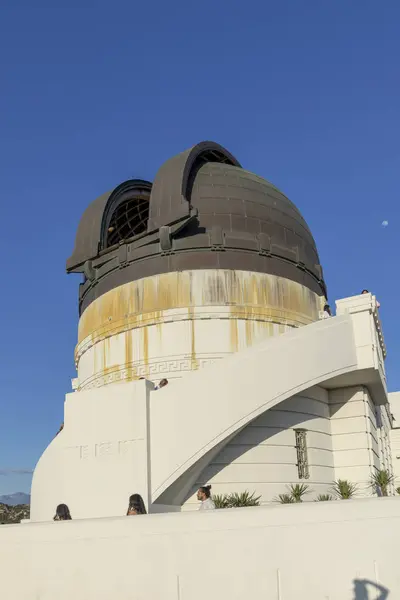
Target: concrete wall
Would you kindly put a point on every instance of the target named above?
(343, 550)
(262, 458)
(124, 438)
(101, 456)
(360, 437)
(394, 400)
(354, 436)
(384, 424)
(202, 412)
(170, 324)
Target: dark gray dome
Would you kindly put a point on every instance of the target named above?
(239, 201)
(202, 212)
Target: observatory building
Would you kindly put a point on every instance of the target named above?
(210, 277)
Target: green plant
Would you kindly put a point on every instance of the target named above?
(381, 480)
(220, 500)
(398, 490)
(344, 489)
(324, 498)
(236, 500)
(298, 490)
(243, 499)
(285, 499)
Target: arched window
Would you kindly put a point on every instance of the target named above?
(127, 212)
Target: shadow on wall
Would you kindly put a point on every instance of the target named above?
(242, 442)
(364, 589)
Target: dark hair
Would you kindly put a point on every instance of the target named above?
(163, 382)
(365, 292)
(62, 513)
(136, 503)
(206, 490)
(327, 309)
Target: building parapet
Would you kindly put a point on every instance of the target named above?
(361, 303)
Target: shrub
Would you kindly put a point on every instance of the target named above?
(324, 498)
(285, 499)
(382, 480)
(344, 489)
(295, 493)
(243, 499)
(220, 500)
(236, 500)
(298, 490)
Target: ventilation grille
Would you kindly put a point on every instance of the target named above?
(302, 453)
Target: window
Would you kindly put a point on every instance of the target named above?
(302, 455)
(129, 219)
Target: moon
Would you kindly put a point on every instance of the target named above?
(385, 223)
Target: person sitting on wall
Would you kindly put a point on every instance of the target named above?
(62, 513)
(367, 292)
(162, 384)
(204, 495)
(327, 312)
(136, 505)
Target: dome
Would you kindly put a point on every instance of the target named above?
(203, 211)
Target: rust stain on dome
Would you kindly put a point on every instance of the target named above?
(252, 297)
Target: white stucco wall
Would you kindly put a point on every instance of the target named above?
(360, 437)
(262, 457)
(394, 400)
(100, 457)
(343, 550)
(170, 324)
(124, 438)
(384, 425)
(354, 436)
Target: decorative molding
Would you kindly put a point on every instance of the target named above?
(150, 370)
(103, 450)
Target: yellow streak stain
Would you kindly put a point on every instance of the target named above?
(249, 332)
(145, 348)
(254, 297)
(233, 324)
(128, 355)
(193, 359)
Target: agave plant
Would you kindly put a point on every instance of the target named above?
(382, 480)
(236, 500)
(298, 490)
(243, 499)
(221, 500)
(285, 499)
(344, 489)
(324, 498)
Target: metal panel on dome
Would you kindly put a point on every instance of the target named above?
(204, 212)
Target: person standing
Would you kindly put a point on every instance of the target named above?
(327, 312)
(204, 495)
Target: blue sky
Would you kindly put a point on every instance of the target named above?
(306, 94)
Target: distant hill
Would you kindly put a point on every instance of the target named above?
(15, 499)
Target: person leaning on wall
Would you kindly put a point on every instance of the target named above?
(162, 384)
(62, 513)
(368, 292)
